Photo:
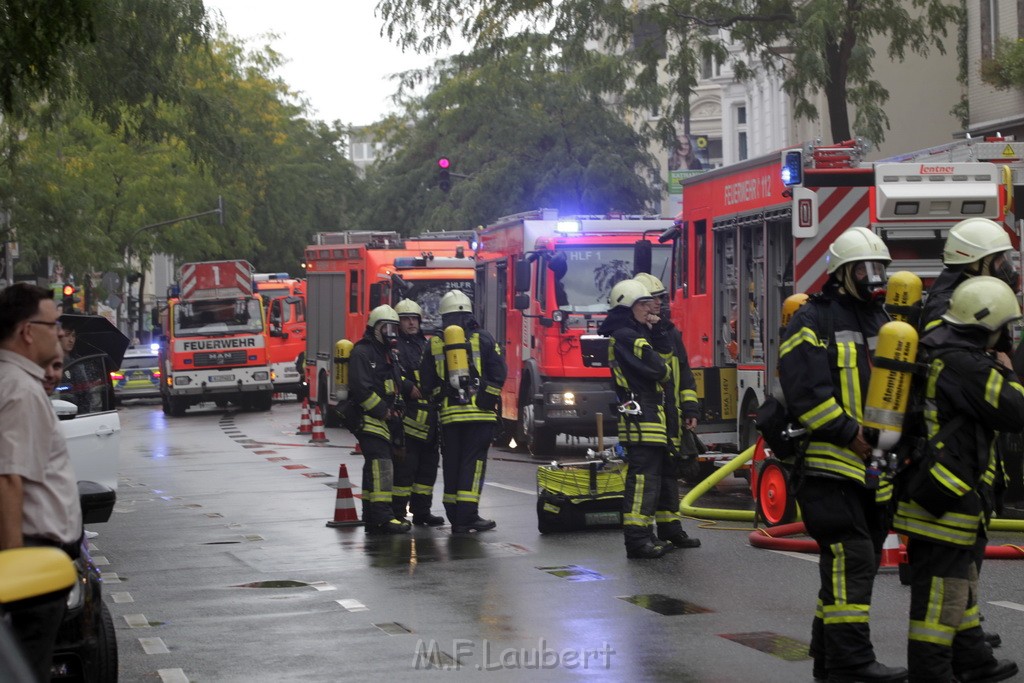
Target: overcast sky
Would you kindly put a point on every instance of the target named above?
(337, 57)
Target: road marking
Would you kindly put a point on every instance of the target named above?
(323, 586)
(1008, 605)
(353, 605)
(137, 620)
(154, 646)
(529, 492)
(172, 676)
(807, 557)
(120, 597)
(111, 577)
(100, 560)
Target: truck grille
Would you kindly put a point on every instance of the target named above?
(215, 359)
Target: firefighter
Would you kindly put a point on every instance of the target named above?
(639, 373)
(944, 507)
(974, 246)
(373, 383)
(824, 368)
(415, 473)
(680, 414)
(464, 373)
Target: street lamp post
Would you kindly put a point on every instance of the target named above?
(139, 312)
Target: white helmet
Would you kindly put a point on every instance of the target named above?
(627, 292)
(455, 301)
(408, 307)
(973, 239)
(382, 314)
(856, 244)
(653, 284)
(983, 301)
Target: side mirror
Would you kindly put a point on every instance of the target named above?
(642, 257)
(521, 281)
(521, 301)
(275, 332)
(66, 410)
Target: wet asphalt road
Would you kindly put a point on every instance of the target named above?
(218, 502)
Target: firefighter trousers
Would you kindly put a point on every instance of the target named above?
(850, 528)
(378, 479)
(945, 625)
(464, 461)
(415, 474)
(652, 494)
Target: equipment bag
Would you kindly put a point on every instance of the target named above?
(579, 496)
(772, 420)
(349, 415)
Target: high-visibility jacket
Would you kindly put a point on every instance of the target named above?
(824, 368)
(419, 414)
(487, 370)
(937, 302)
(681, 387)
(944, 499)
(639, 374)
(372, 384)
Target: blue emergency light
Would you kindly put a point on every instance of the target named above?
(567, 226)
(792, 167)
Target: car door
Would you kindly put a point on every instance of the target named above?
(94, 432)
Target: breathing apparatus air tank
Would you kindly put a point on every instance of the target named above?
(456, 356)
(903, 297)
(789, 307)
(342, 351)
(889, 390)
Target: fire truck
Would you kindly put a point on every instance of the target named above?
(753, 233)
(216, 339)
(284, 302)
(351, 273)
(542, 291)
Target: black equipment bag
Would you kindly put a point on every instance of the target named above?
(579, 496)
(772, 420)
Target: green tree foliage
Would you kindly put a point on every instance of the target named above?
(817, 45)
(1006, 69)
(522, 133)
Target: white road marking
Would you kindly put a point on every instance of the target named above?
(1008, 605)
(323, 586)
(154, 646)
(353, 605)
(137, 620)
(172, 676)
(122, 597)
(111, 577)
(529, 492)
(100, 561)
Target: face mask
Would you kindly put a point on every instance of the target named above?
(865, 280)
(1004, 271)
(993, 338)
(386, 332)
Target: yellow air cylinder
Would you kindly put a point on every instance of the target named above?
(888, 388)
(342, 351)
(789, 306)
(456, 358)
(903, 296)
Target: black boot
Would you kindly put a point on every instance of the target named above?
(479, 524)
(872, 671)
(993, 639)
(679, 539)
(427, 519)
(996, 670)
(647, 551)
(392, 526)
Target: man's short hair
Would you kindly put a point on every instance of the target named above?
(18, 303)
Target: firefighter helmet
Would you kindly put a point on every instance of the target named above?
(455, 302)
(856, 244)
(983, 301)
(408, 307)
(627, 292)
(972, 239)
(382, 314)
(653, 284)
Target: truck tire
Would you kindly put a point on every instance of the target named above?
(165, 404)
(542, 442)
(263, 402)
(177, 406)
(327, 411)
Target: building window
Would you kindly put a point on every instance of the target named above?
(741, 115)
(989, 26)
(741, 145)
(710, 67)
(742, 152)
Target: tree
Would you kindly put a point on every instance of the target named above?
(521, 132)
(818, 45)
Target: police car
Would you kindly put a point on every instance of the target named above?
(139, 374)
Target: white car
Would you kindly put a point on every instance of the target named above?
(84, 402)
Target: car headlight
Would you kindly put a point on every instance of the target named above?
(566, 398)
(260, 376)
(77, 595)
(182, 381)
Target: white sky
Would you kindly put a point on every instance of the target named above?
(337, 57)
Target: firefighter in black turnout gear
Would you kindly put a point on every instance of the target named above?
(946, 501)
(416, 471)
(681, 411)
(463, 371)
(375, 384)
(824, 368)
(639, 374)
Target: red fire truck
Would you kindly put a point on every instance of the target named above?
(351, 273)
(542, 291)
(216, 339)
(284, 301)
(746, 240)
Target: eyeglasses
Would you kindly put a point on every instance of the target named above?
(56, 324)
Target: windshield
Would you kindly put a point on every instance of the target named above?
(583, 276)
(219, 316)
(428, 293)
(273, 292)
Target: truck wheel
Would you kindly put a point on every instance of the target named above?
(177, 406)
(329, 414)
(165, 404)
(775, 502)
(264, 402)
(542, 442)
(221, 403)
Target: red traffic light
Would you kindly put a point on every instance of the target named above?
(444, 163)
(69, 290)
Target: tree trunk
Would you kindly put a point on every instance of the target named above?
(837, 56)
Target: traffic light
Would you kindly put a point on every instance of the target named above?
(444, 176)
(69, 297)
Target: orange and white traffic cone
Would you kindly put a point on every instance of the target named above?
(358, 450)
(344, 503)
(305, 426)
(319, 435)
(891, 552)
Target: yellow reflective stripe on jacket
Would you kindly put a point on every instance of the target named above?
(452, 413)
(375, 426)
(804, 335)
(370, 402)
(949, 481)
(827, 457)
(689, 396)
(849, 378)
(821, 414)
(952, 528)
(993, 387)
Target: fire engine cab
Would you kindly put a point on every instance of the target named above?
(753, 233)
(284, 301)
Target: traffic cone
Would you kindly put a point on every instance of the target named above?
(319, 435)
(358, 450)
(305, 426)
(891, 553)
(344, 504)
